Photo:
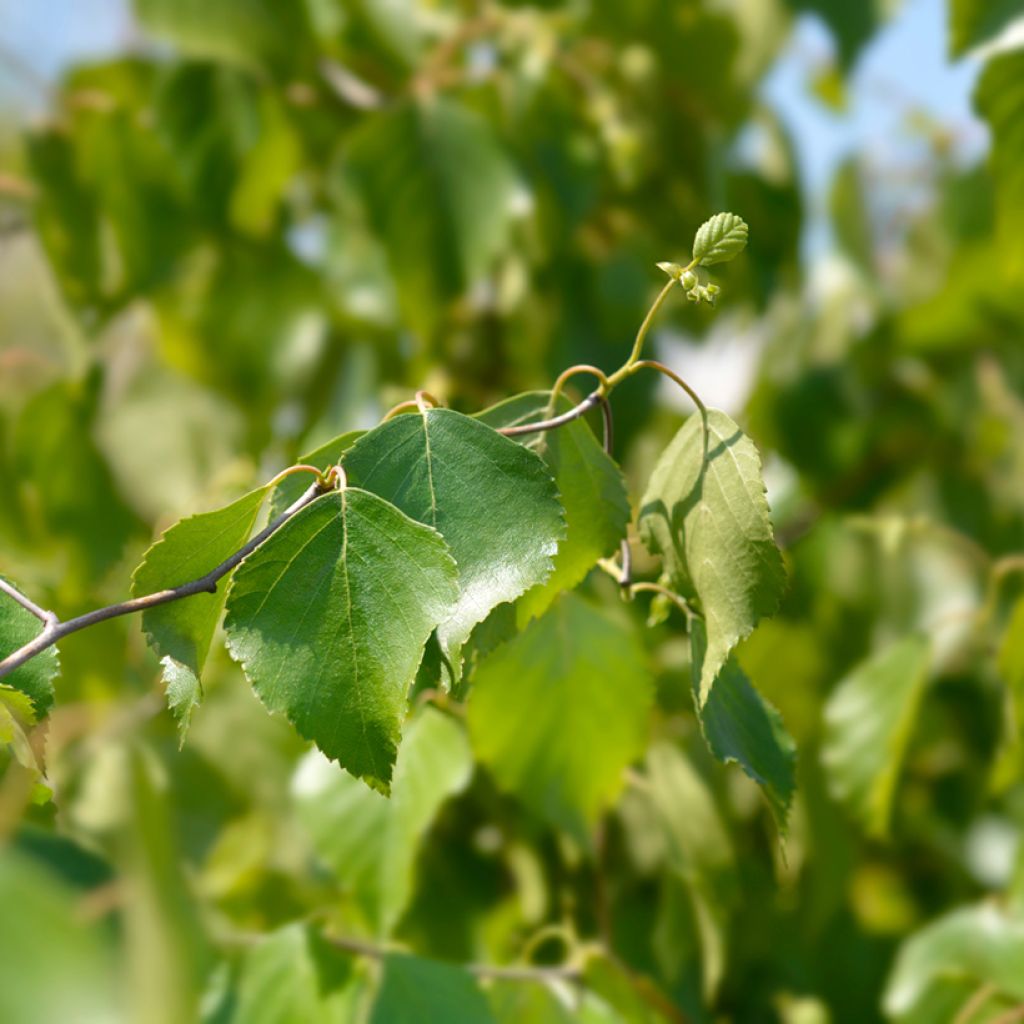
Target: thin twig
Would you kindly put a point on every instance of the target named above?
(55, 630)
(27, 603)
(588, 403)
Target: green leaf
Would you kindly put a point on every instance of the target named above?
(292, 976)
(697, 849)
(440, 193)
(591, 488)
(492, 500)
(560, 711)
(999, 98)
(181, 631)
(329, 617)
(719, 239)
(1010, 662)
(708, 518)
(852, 24)
(369, 842)
(291, 488)
(247, 32)
(35, 678)
(53, 965)
(982, 943)
(740, 725)
(868, 721)
(972, 22)
(17, 716)
(414, 991)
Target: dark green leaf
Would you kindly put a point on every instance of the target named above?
(868, 721)
(972, 22)
(560, 711)
(492, 500)
(417, 991)
(329, 618)
(741, 726)
(708, 518)
(591, 488)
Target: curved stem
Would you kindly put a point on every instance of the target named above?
(54, 630)
(574, 413)
(653, 364)
(641, 334)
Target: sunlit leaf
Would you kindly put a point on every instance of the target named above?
(705, 513)
(719, 239)
(492, 500)
(590, 486)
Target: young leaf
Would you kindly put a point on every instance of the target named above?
(868, 719)
(492, 500)
(558, 712)
(291, 488)
(982, 943)
(329, 617)
(740, 725)
(414, 991)
(706, 514)
(35, 678)
(181, 631)
(17, 716)
(591, 486)
(719, 239)
(372, 843)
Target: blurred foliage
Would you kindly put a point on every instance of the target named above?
(266, 223)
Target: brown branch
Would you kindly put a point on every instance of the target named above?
(54, 630)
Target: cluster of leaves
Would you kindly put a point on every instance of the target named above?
(271, 221)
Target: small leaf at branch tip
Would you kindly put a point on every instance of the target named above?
(674, 270)
(720, 239)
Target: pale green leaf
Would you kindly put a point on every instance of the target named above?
(560, 711)
(291, 488)
(440, 194)
(972, 22)
(292, 976)
(35, 678)
(999, 98)
(17, 716)
(369, 842)
(329, 617)
(591, 487)
(868, 721)
(708, 517)
(719, 239)
(492, 500)
(741, 726)
(181, 631)
(697, 848)
(982, 943)
(53, 965)
(418, 991)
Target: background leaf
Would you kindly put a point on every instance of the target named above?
(558, 712)
(868, 720)
(414, 990)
